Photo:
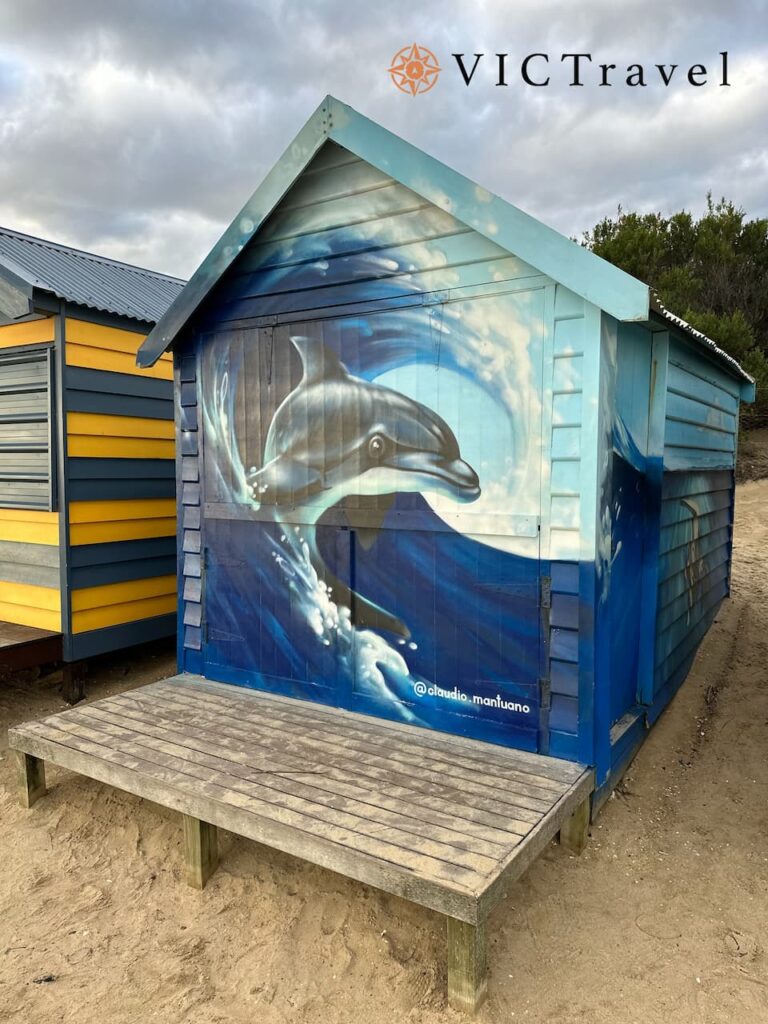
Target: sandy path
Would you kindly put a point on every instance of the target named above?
(661, 920)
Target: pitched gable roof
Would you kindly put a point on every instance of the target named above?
(28, 263)
(596, 280)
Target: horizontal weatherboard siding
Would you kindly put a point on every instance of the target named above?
(30, 605)
(37, 564)
(113, 638)
(97, 347)
(30, 332)
(304, 259)
(99, 522)
(29, 527)
(116, 603)
(94, 435)
(110, 479)
(701, 413)
(118, 394)
(694, 565)
(92, 565)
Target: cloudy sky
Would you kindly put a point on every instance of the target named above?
(137, 128)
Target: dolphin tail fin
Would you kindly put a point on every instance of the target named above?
(318, 361)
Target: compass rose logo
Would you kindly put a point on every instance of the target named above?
(414, 69)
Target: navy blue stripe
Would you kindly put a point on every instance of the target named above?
(121, 551)
(106, 382)
(116, 469)
(113, 638)
(119, 405)
(121, 479)
(120, 490)
(122, 572)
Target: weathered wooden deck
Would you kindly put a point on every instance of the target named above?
(24, 646)
(439, 820)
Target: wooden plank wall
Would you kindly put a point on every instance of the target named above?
(29, 539)
(120, 484)
(564, 514)
(697, 507)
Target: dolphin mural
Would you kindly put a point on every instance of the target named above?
(337, 437)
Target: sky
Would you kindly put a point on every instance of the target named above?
(138, 129)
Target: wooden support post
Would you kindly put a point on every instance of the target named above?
(467, 982)
(201, 855)
(574, 831)
(31, 777)
(72, 682)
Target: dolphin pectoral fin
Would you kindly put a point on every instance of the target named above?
(367, 517)
(284, 481)
(363, 612)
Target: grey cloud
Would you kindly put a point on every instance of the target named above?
(138, 129)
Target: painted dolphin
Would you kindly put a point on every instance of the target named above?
(337, 436)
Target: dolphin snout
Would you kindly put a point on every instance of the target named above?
(462, 473)
(463, 477)
(456, 476)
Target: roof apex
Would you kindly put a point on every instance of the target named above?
(567, 262)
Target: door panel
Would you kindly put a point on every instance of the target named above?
(372, 494)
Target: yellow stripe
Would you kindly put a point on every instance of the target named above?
(93, 358)
(30, 605)
(29, 527)
(31, 332)
(116, 339)
(119, 448)
(112, 511)
(94, 435)
(96, 423)
(31, 596)
(129, 611)
(27, 516)
(130, 529)
(27, 616)
(110, 348)
(122, 593)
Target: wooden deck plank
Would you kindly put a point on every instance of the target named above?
(470, 753)
(440, 820)
(27, 646)
(482, 825)
(285, 792)
(450, 800)
(298, 780)
(335, 826)
(255, 732)
(522, 796)
(447, 898)
(11, 633)
(537, 787)
(560, 771)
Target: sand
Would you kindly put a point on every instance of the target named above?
(662, 919)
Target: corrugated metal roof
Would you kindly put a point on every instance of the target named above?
(89, 280)
(658, 307)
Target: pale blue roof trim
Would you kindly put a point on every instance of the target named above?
(570, 264)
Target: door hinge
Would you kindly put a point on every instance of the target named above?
(545, 591)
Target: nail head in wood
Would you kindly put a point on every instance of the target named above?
(575, 830)
(467, 980)
(31, 778)
(201, 855)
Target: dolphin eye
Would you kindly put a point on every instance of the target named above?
(376, 446)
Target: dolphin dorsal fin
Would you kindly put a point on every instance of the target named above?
(319, 362)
